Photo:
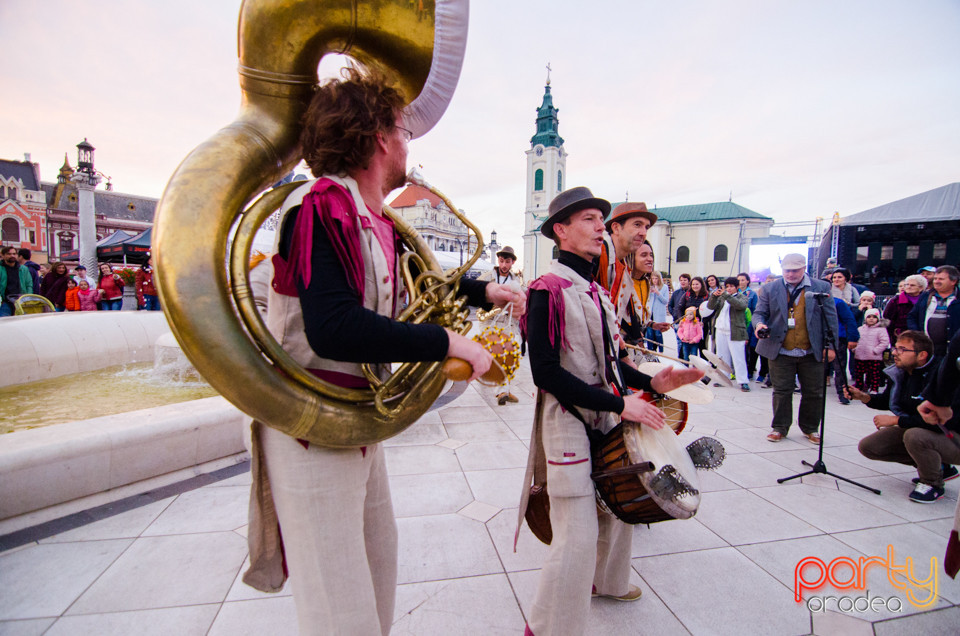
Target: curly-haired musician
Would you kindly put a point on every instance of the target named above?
(335, 291)
(574, 357)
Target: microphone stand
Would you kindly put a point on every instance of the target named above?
(819, 467)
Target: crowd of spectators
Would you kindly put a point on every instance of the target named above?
(72, 290)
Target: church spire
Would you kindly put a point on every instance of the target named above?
(547, 122)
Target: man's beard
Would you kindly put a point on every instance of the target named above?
(397, 178)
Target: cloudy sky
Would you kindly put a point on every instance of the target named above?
(797, 109)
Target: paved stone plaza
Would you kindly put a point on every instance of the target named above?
(173, 566)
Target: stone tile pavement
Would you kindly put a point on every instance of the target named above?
(173, 566)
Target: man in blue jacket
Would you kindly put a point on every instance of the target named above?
(936, 312)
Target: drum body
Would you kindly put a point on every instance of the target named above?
(643, 475)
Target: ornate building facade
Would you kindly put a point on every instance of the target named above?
(431, 217)
(23, 207)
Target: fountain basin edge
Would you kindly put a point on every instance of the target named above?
(42, 469)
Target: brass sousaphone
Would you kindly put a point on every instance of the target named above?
(205, 222)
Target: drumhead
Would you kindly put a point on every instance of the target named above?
(673, 483)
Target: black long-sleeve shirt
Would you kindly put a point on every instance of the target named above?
(548, 374)
(339, 327)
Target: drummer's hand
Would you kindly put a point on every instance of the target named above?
(672, 378)
(471, 351)
(636, 409)
(501, 295)
(627, 360)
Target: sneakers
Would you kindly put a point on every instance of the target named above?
(767, 384)
(925, 493)
(949, 472)
(775, 436)
(760, 379)
(745, 387)
(813, 437)
(633, 594)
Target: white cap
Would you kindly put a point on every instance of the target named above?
(793, 261)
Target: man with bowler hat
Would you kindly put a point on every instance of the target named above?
(574, 357)
(790, 332)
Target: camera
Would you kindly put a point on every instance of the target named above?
(763, 333)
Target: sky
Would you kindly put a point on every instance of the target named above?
(795, 110)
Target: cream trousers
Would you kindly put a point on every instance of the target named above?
(589, 548)
(339, 534)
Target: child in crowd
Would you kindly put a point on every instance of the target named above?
(71, 302)
(86, 297)
(874, 340)
(867, 301)
(690, 333)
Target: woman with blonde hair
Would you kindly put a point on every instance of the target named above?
(899, 307)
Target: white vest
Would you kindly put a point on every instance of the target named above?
(284, 318)
(565, 442)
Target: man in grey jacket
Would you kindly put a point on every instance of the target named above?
(790, 331)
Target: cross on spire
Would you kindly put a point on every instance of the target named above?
(548, 73)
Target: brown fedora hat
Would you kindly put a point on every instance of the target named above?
(507, 252)
(628, 210)
(568, 202)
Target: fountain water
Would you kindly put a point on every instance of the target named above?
(48, 472)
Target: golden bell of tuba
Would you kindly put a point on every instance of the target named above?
(205, 222)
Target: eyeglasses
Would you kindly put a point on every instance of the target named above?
(407, 135)
(900, 349)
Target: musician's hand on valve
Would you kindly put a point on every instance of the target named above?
(472, 351)
(672, 378)
(636, 409)
(501, 295)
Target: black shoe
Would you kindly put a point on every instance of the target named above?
(949, 472)
(925, 493)
(844, 400)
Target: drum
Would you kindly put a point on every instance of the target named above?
(644, 475)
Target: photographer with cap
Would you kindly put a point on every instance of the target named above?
(790, 332)
(502, 274)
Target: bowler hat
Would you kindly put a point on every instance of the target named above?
(568, 202)
(629, 210)
(507, 252)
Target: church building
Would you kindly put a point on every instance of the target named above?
(701, 239)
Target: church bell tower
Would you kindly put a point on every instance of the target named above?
(546, 177)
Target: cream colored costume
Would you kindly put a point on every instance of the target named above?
(333, 506)
(589, 546)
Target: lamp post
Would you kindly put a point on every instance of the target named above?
(86, 178)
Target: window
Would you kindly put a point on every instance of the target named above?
(538, 180)
(10, 230)
(886, 253)
(720, 253)
(862, 252)
(913, 252)
(683, 254)
(66, 243)
(939, 251)
(559, 180)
